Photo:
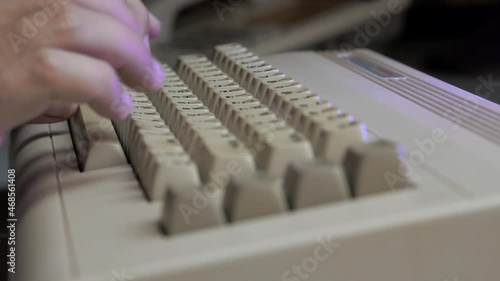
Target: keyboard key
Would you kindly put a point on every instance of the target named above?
(188, 209)
(216, 155)
(335, 139)
(95, 141)
(282, 149)
(255, 196)
(374, 167)
(64, 151)
(28, 155)
(26, 134)
(316, 183)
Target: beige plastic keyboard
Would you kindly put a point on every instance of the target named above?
(237, 171)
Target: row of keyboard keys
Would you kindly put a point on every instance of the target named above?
(335, 135)
(276, 145)
(205, 138)
(217, 152)
(155, 154)
(247, 196)
(329, 129)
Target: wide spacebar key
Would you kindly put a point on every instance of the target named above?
(95, 141)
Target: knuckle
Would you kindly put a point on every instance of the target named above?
(125, 14)
(141, 13)
(65, 21)
(44, 68)
(129, 48)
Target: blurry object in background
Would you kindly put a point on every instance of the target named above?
(293, 12)
(4, 160)
(167, 11)
(265, 26)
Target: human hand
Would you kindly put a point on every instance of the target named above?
(56, 54)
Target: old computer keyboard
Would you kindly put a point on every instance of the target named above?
(301, 166)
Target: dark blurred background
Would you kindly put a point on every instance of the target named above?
(457, 41)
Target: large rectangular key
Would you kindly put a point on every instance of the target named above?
(95, 140)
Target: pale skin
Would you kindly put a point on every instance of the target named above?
(56, 54)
